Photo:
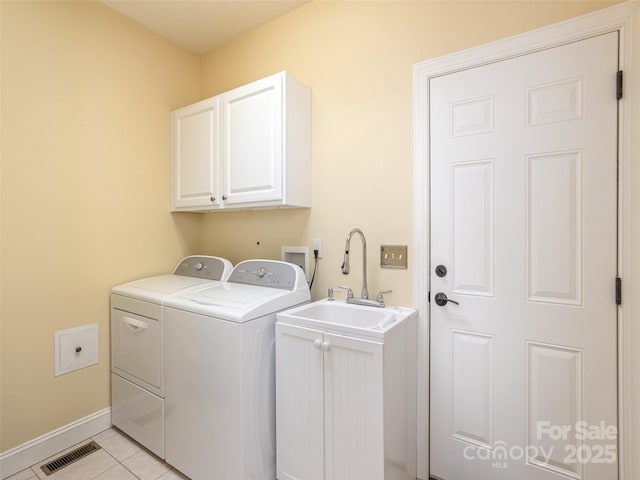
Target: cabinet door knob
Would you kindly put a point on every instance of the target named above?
(213, 199)
(224, 197)
(317, 343)
(325, 346)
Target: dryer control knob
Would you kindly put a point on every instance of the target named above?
(261, 272)
(198, 266)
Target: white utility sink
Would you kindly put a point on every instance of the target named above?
(346, 389)
(342, 317)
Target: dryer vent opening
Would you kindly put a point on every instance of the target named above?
(69, 458)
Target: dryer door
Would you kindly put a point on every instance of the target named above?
(137, 349)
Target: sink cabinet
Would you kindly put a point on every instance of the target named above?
(246, 148)
(345, 406)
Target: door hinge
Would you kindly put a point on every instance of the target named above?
(619, 82)
(618, 291)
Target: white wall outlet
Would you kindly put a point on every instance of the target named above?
(317, 245)
(76, 348)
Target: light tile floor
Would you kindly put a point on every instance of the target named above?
(120, 458)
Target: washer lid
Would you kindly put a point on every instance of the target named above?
(156, 289)
(192, 271)
(255, 288)
(237, 302)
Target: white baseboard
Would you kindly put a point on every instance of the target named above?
(34, 451)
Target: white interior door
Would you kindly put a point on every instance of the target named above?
(523, 219)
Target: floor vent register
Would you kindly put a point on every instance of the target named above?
(69, 458)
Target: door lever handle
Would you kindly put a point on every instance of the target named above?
(441, 299)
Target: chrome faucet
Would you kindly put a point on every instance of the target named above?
(364, 297)
(345, 263)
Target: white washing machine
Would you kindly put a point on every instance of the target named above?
(219, 372)
(137, 382)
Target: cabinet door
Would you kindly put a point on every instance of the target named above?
(252, 136)
(299, 403)
(354, 442)
(195, 153)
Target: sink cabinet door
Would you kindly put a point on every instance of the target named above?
(299, 406)
(353, 406)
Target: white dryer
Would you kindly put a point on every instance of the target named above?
(219, 372)
(137, 382)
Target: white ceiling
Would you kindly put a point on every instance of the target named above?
(202, 25)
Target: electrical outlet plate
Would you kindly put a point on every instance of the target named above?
(317, 245)
(393, 256)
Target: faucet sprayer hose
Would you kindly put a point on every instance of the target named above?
(345, 263)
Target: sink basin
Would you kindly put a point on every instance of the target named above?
(342, 317)
(345, 314)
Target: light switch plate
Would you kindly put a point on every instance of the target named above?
(393, 256)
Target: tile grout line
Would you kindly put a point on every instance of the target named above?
(118, 462)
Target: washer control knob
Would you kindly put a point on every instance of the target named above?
(261, 272)
(199, 266)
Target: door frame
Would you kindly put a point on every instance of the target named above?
(616, 18)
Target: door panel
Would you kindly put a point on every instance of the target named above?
(472, 367)
(554, 242)
(553, 373)
(472, 227)
(523, 215)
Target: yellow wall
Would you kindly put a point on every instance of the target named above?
(86, 96)
(357, 57)
(85, 159)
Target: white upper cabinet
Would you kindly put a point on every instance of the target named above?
(246, 148)
(252, 126)
(195, 155)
